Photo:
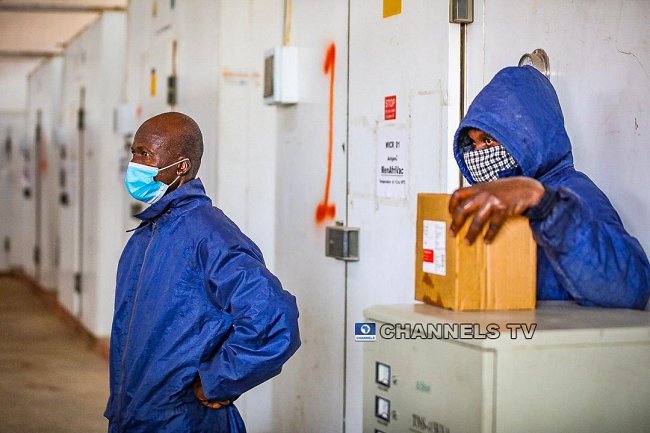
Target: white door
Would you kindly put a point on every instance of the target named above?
(156, 69)
(599, 57)
(404, 75)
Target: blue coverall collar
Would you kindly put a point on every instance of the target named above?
(185, 194)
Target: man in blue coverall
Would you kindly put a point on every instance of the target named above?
(199, 319)
(513, 148)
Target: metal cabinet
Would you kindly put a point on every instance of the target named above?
(580, 370)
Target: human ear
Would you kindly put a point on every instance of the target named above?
(184, 167)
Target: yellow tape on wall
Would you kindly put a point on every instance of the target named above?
(392, 7)
(153, 82)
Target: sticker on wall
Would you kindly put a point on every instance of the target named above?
(392, 7)
(154, 9)
(434, 247)
(392, 161)
(390, 107)
(241, 76)
(153, 82)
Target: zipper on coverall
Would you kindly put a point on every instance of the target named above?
(120, 394)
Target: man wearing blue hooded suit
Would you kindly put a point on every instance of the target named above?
(199, 319)
(513, 148)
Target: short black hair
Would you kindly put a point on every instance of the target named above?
(187, 138)
(190, 140)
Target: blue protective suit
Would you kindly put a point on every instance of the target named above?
(584, 252)
(193, 298)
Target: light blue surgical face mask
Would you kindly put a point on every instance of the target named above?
(141, 185)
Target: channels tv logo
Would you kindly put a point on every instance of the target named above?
(364, 332)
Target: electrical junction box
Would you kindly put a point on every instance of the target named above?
(578, 369)
(124, 121)
(61, 136)
(281, 76)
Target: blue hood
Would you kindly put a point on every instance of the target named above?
(521, 110)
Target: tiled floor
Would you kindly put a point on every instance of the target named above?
(50, 379)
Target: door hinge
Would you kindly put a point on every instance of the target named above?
(171, 90)
(77, 283)
(81, 115)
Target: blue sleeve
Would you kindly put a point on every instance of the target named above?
(264, 333)
(593, 256)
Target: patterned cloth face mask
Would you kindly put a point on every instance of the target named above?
(485, 165)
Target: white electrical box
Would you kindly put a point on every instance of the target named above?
(581, 370)
(281, 76)
(61, 136)
(124, 122)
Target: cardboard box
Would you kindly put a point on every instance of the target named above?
(448, 273)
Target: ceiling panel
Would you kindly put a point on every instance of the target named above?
(40, 31)
(91, 3)
(30, 32)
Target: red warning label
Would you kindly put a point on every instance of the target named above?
(390, 107)
(428, 256)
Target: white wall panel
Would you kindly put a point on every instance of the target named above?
(308, 395)
(15, 222)
(406, 56)
(44, 96)
(195, 28)
(13, 85)
(95, 61)
(246, 128)
(16, 216)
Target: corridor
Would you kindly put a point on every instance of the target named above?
(50, 379)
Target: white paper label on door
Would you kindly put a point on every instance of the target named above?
(434, 246)
(392, 154)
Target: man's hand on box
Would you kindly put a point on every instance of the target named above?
(492, 202)
(197, 386)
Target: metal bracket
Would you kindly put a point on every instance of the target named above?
(342, 243)
(461, 11)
